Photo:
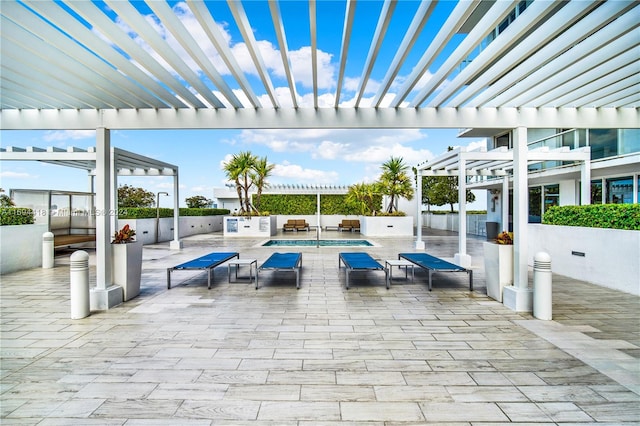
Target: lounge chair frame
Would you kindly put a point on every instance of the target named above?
(434, 264)
(207, 262)
(351, 260)
(272, 264)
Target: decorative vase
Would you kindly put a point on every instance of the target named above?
(498, 268)
(127, 267)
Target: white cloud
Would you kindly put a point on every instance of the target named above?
(299, 174)
(62, 135)
(17, 175)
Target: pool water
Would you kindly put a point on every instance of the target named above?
(313, 243)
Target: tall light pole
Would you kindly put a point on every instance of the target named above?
(158, 213)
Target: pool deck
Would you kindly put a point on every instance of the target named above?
(321, 355)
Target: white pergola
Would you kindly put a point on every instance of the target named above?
(105, 185)
(505, 165)
(151, 65)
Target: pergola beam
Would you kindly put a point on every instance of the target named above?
(322, 118)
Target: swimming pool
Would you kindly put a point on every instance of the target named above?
(313, 243)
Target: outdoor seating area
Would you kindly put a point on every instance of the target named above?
(352, 225)
(319, 355)
(296, 225)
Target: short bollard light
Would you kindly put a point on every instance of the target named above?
(542, 296)
(79, 270)
(47, 250)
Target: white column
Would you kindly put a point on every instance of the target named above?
(103, 208)
(114, 192)
(419, 244)
(105, 295)
(176, 244)
(519, 297)
(505, 203)
(462, 258)
(585, 178)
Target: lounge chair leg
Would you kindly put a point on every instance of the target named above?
(257, 275)
(297, 279)
(168, 278)
(347, 276)
(209, 279)
(430, 273)
(470, 280)
(387, 278)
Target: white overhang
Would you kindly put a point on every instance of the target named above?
(125, 163)
(148, 65)
(496, 162)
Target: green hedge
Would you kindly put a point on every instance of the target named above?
(305, 204)
(16, 216)
(150, 212)
(615, 216)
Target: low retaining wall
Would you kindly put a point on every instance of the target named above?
(20, 247)
(606, 257)
(189, 225)
(386, 226)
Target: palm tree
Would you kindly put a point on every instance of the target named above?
(363, 195)
(239, 170)
(395, 182)
(262, 171)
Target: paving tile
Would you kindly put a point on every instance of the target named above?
(318, 356)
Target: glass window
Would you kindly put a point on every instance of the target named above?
(596, 191)
(535, 204)
(620, 190)
(629, 141)
(603, 142)
(503, 140)
(551, 196)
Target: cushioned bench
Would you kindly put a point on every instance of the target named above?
(296, 225)
(282, 262)
(361, 262)
(207, 262)
(433, 264)
(349, 225)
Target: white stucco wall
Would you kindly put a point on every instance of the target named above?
(189, 225)
(386, 226)
(21, 247)
(607, 257)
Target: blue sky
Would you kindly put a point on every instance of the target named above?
(313, 156)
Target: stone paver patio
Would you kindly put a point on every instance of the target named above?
(320, 355)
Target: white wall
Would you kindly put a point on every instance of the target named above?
(610, 255)
(21, 247)
(189, 225)
(386, 226)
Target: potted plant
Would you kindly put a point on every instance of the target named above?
(126, 259)
(498, 264)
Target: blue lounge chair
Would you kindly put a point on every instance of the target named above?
(361, 262)
(433, 264)
(208, 262)
(282, 262)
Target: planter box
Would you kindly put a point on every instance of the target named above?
(386, 226)
(498, 268)
(606, 257)
(20, 247)
(127, 268)
(255, 226)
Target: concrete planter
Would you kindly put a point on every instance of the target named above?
(127, 268)
(606, 257)
(386, 226)
(498, 268)
(20, 247)
(255, 226)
